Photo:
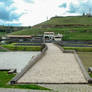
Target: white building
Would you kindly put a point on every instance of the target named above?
(49, 35)
(52, 36)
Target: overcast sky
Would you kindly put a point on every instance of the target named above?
(31, 12)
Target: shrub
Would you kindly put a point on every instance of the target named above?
(22, 48)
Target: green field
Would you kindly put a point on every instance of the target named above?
(80, 49)
(2, 34)
(13, 47)
(86, 58)
(5, 78)
(72, 28)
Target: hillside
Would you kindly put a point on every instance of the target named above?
(73, 28)
(8, 29)
(67, 21)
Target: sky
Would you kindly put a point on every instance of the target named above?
(32, 12)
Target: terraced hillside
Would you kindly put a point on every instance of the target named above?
(73, 28)
(70, 20)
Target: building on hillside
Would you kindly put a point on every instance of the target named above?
(49, 35)
(52, 36)
(25, 38)
(19, 38)
(58, 37)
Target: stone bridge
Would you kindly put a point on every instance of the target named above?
(54, 67)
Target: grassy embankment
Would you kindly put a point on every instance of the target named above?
(86, 58)
(5, 78)
(14, 47)
(79, 49)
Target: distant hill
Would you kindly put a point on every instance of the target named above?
(67, 21)
(72, 27)
(9, 29)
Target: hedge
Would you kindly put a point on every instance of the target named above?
(22, 48)
(81, 49)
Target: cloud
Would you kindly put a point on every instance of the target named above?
(73, 8)
(10, 23)
(8, 14)
(8, 11)
(39, 11)
(31, 12)
(80, 6)
(13, 24)
(64, 5)
(7, 2)
(29, 1)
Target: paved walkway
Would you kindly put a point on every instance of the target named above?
(54, 67)
(55, 88)
(69, 87)
(21, 90)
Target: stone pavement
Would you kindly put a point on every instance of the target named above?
(55, 88)
(20, 90)
(69, 87)
(54, 67)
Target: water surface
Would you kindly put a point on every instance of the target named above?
(15, 60)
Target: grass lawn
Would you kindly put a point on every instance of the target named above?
(80, 49)
(86, 58)
(5, 78)
(2, 34)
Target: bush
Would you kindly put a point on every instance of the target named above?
(22, 48)
(81, 49)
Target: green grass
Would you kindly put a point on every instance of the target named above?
(68, 20)
(2, 34)
(78, 44)
(78, 36)
(86, 58)
(13, 47)
(2, 50)
(90, 75)
(81, 49)
(5, 78)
